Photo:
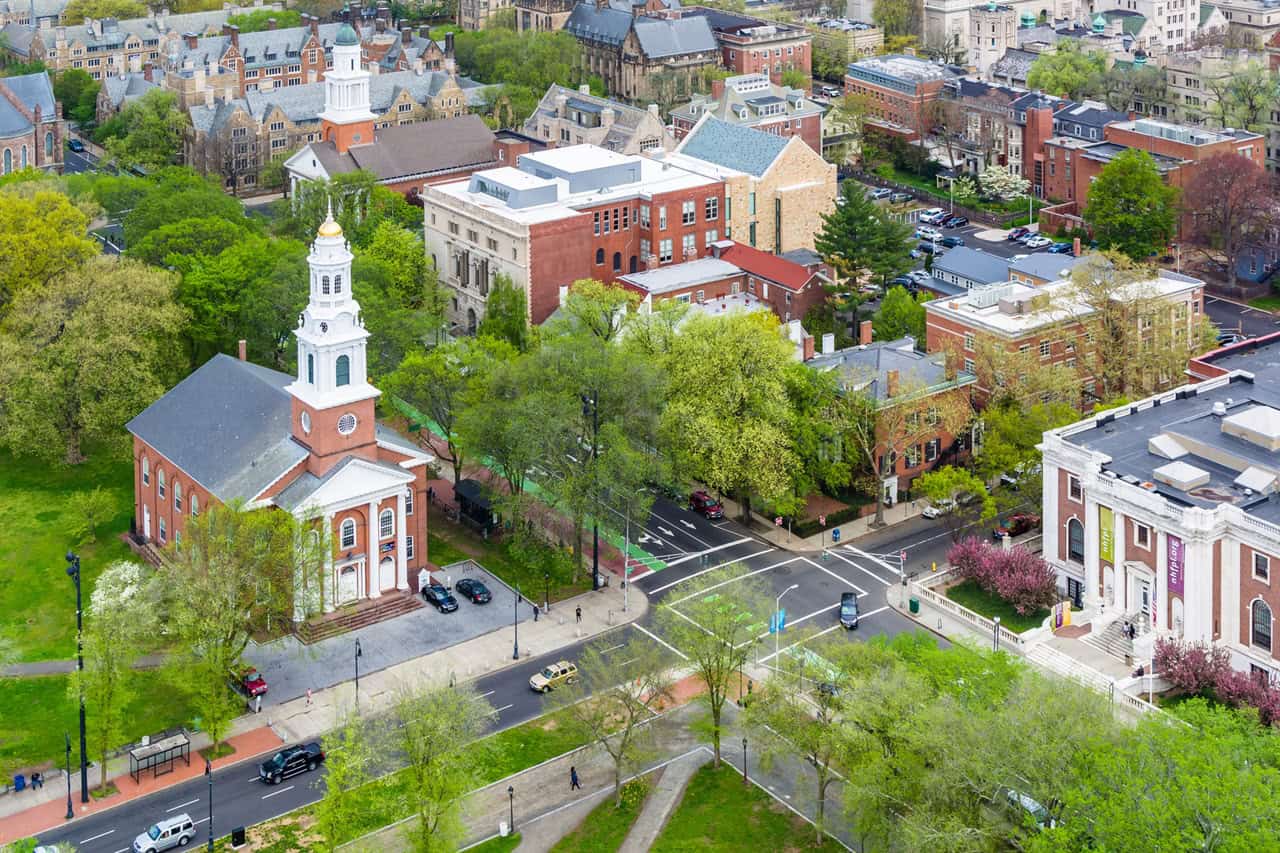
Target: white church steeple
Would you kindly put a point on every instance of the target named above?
(347, 119)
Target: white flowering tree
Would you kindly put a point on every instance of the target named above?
(1003, 184)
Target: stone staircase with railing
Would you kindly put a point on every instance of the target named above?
(387, 606)
(1112, 639)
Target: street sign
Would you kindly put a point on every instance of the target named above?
(822, 519)
(835, 535)
(777, 521)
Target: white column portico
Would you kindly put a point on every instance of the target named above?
(402, 563)
(372, 567)
(329, 596)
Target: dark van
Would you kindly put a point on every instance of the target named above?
(849, 609)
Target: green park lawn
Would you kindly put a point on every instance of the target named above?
(497, 844)
(719, 813)
(972, 596)
(36, 596)
(606, 827)
(448, 543)
(1266, 303)
(36, 711)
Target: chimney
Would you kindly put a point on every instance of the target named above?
(314, 23)
(717, 89)
(379, 23)
(1075, 247)
(864, 332)
(564, 294)
(406, 36)
(384, 11)
(190, 39)
(606, 117)
(891, 383)
(235, 36)
(807, 344)
(226, 29)
(653, 111)
(208, 98)
(424, 32)
(244, 349)
(448, 44)
(828, 343)
(271, 23)
(562, 102)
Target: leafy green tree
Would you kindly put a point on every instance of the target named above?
(91, 508)
(395, 331)
(78, 94)
(1009, 438)
(817, 429)
(181, 244)
(898, 18)
(795, 78)
(1067, 72)
(598, 308)
(78, 10)
(259, 19)
(171, 197)
(849, 234)
(41, 239)
(348, 766)
(84, 355)
(506, 315)
(716, 635)
(359, 203)
(402, 251)
(1130, 207)
(963, 492)
(900, 314)
(150, 132)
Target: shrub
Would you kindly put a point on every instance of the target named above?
(1190, 667)
(1021, 578)
(968, 558)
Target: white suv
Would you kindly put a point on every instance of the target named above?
(166, 834)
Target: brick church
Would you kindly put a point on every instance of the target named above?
(308, 444)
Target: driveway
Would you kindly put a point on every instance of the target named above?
(1237, 317)
(291, 667)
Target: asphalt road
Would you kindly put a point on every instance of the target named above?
(690, 545)
(74, 163)
(1241, 319)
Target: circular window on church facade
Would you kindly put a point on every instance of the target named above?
(306, 422)
(347, 424)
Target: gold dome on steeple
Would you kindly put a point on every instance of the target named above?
(330, 227)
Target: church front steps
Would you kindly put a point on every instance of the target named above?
(388, 606)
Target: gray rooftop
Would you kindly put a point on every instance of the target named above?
(867, 367)
(912, 69)
(733, 146)
(1045, 266)
(260, 49)
(658, 37)
(31, 90)
(626, 118)
(127, 88)
(680, 276)
(972, 264)
(421, 148)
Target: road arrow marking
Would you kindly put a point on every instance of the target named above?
(665, 532)
(688, 524)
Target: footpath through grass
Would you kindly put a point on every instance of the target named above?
(37, 599)
(974, 597)
(607, 825)
(719, 814)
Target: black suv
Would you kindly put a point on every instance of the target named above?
(474, 591)
(290, 761)
(440, 597)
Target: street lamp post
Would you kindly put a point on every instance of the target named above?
(515, 626)
(995, 635)
(359, 654)
(777, 621)
(70, 811)
(73, 570)
(511, 802)
(208, 772)
(593, 402)
(546, 592)
(744, 761)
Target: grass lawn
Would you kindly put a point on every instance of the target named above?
(607, 825)
(718, 813)
(1266, 303)
(497, 845)
(36, 596)
(972, 596)
(35, 711)
(449, 543)
(929, 185)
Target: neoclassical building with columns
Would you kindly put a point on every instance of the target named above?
(310, 445)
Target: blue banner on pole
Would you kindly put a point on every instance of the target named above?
(782, 620)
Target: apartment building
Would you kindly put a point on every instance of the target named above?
(755, 101)
(899, 89)
(1249, 22)
(849, 40)
(576, 117)
(755, 46)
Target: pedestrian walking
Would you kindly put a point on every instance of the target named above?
(535, 613)
(573, 779)
(257, 704)
(577, 613)
(308, 695)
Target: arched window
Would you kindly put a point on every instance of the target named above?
(617, 262)
(24, 156)
(342, 371)
(631, 265)
(348, 535)
(8, 161)
(337, 283)
(386, 524)
(146, 472)
(177, 495)
(195, 504)
(599, 252)
(324, 284)
(48, 144)
(311, 369)
(160, 482)
(1261, 628)
(1075, 540)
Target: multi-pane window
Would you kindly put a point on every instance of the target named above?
(688, 212)
(689, 244)
(662, 217)
(1261, 621)
(1261, 566)
(664, 251)
(386, 524)
(711, 211)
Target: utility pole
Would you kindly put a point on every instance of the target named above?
(73, 569)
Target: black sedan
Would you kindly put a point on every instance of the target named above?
(956, 222)
(439, 596)
(474, 591)
(290, 762)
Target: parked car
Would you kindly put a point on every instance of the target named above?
(929, 249)
(1016, 525)
(1017, 233)
(951, 242)
(956, 222)
(932, 216)
(437, 595)
(291, 761)
(881, 192)
(830, 92)
(1061, 249)
(1022, 805)
(474, 591)
(1015, 478)
(166, 834)
(1226, 339)
(939, 509)
(251, 681)
(553, 676)
(75, 145)
(1038, 242)
(919, 276)
(902, 281)
(849, 609)
(703, 504)
(915, 254)
(924, 232)
(1030, 235)
(900, 198)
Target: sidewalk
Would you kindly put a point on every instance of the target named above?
(780, 537)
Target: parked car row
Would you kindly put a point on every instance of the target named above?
(469, 588)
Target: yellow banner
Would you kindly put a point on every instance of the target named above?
(1107, 534)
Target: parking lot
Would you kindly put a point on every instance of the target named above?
(290, 667)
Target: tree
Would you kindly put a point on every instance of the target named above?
(84, 355)
(79, 10)
(348, 766)
(963, 494)
(1010, 435)
(817, 430)
(1068, 71)
(900, 314)
(437, 382)
(359, 204)
(91, 509)
(41, 238)
(403, 253)
(623, 696)
(261, 19)
(1241, 96)
(731, 434)
(1233, 205)
(898, 18)
(169, 198)
(858, 236)
(181, 244)
(235, 572)
(437, 737)
(795, 78)
(150, 133)
(78, 94)
(598, 308)
(1021, 377)
(506, 315)
(1004, 185)
(1130, 207)
(716, 634)
(120, 618)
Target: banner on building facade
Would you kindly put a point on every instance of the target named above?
(1106, 534)
(1177, 552)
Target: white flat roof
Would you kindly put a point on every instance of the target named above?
(578, 158)
(679, 276)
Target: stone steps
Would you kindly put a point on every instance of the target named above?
(388, 606)
(1112, 639)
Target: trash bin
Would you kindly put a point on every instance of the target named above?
(914, 604)
(237, 837)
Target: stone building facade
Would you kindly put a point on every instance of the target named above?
(576, 117)
(32, 129)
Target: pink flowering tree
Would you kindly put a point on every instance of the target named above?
(1190, 667)
(1021, 578)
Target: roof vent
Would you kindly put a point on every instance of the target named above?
(1182, 476)
(1255, 479)
(1166, 446)
(1220, 409)
(1258, 425)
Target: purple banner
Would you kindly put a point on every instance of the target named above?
(1176, 555)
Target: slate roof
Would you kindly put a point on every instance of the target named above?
(32, 90)
(227, 425)
(127, 88)
(733, 146)
(1131, 22)
(973, 265)
(744, 102)
(148, 29)
(626, 118)
(43, 8)
(260, 49)
(17, 38)
(967, 87)
(658, 37)
(867, 367)
(1042, 265)
(1089, 114)
(802, 256)
(422, 148)
(1015, 64)
(609, 26)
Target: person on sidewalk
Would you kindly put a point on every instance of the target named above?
(308, 695)
(578, 614)
(535, 613)
(573, 779)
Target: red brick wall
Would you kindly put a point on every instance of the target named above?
(148, 495)
(906, 473)
(1038, 128)
(327, 445)
(621, 220)
(753, 59)
(560, 253)
(1067, 510)
(1058, 170)
(1251, 589)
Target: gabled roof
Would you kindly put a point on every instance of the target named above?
(127, 88)
(661, 37)
(17, 38)
(972, 264)
(352, 477)
(607, 25)
(775, 269)
(31, 90)
(422, 148)
(733, 146)
(1015, 64)
(866, 368)
(1044, 266)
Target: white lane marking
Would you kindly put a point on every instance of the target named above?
(184, 805)
(654, 636)
(123, 850)
(799, 641)
(503, 708)
(490, 693)
(708, 589)
(712, 569)
(708, 547)
(201, 820)
(844, 581)
(612, 648)
(868, 572)
(274, 793)
(96, 837)
(635, 576)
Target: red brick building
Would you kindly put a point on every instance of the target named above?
(310, 445)
(898, 88)
(31, 125)
(755, 46)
